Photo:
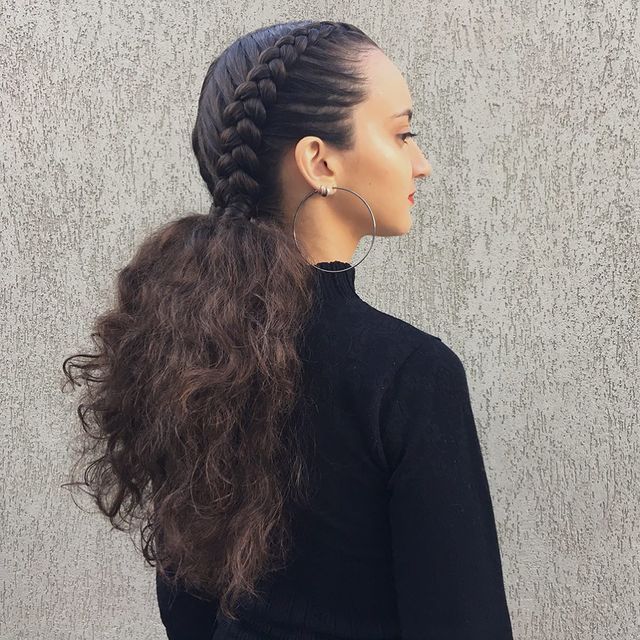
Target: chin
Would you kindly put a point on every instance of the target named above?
(398, 226)
(404, 225)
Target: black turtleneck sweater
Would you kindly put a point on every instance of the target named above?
(399, 540)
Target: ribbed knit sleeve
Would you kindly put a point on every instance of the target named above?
(185, 616)
(445, 552)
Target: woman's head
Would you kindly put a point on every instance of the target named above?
(191, 399)
(283, 111)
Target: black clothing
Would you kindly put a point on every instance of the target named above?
(399, 541)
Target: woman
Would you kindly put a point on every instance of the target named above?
(306, 466)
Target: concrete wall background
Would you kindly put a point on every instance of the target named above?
(523, 258)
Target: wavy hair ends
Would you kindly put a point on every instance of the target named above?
(188, 405)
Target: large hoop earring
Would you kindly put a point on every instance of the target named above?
(325, 191)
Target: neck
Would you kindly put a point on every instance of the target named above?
(338, 284)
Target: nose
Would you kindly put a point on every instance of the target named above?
(422, 167)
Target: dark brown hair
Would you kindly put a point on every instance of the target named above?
(186, 409)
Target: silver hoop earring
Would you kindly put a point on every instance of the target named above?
(325, 191)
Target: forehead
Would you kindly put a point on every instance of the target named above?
(388, 90)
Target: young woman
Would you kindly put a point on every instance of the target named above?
(305, 465)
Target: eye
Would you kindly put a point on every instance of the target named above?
(409, 134)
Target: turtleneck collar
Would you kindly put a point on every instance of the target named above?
(340, 284)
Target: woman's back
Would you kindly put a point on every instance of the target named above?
(398, 539)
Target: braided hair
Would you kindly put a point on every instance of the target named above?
(191, 401)
(237, 170)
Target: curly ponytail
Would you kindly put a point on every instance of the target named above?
(187, 412)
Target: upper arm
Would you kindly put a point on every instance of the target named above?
(446, 557)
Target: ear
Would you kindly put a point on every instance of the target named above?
(317, 162)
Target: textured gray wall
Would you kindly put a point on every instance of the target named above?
(523, 257)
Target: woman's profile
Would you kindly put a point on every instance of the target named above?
(302, 465)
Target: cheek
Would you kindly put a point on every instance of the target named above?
(380, 163)
(386, 159)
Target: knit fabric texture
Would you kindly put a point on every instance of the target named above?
(399, 540)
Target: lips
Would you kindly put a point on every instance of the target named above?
(411, 197)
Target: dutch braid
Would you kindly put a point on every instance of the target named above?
(237, 170)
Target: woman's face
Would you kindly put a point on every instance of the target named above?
(384, 165)
(382, 168)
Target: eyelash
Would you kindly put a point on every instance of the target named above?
(410, 134)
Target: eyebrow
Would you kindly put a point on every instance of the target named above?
(406, 112)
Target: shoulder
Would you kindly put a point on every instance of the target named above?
(435, 359)
(417, 351)
(399, 331)
(403, 358)
(424, 372)
(376, 349)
